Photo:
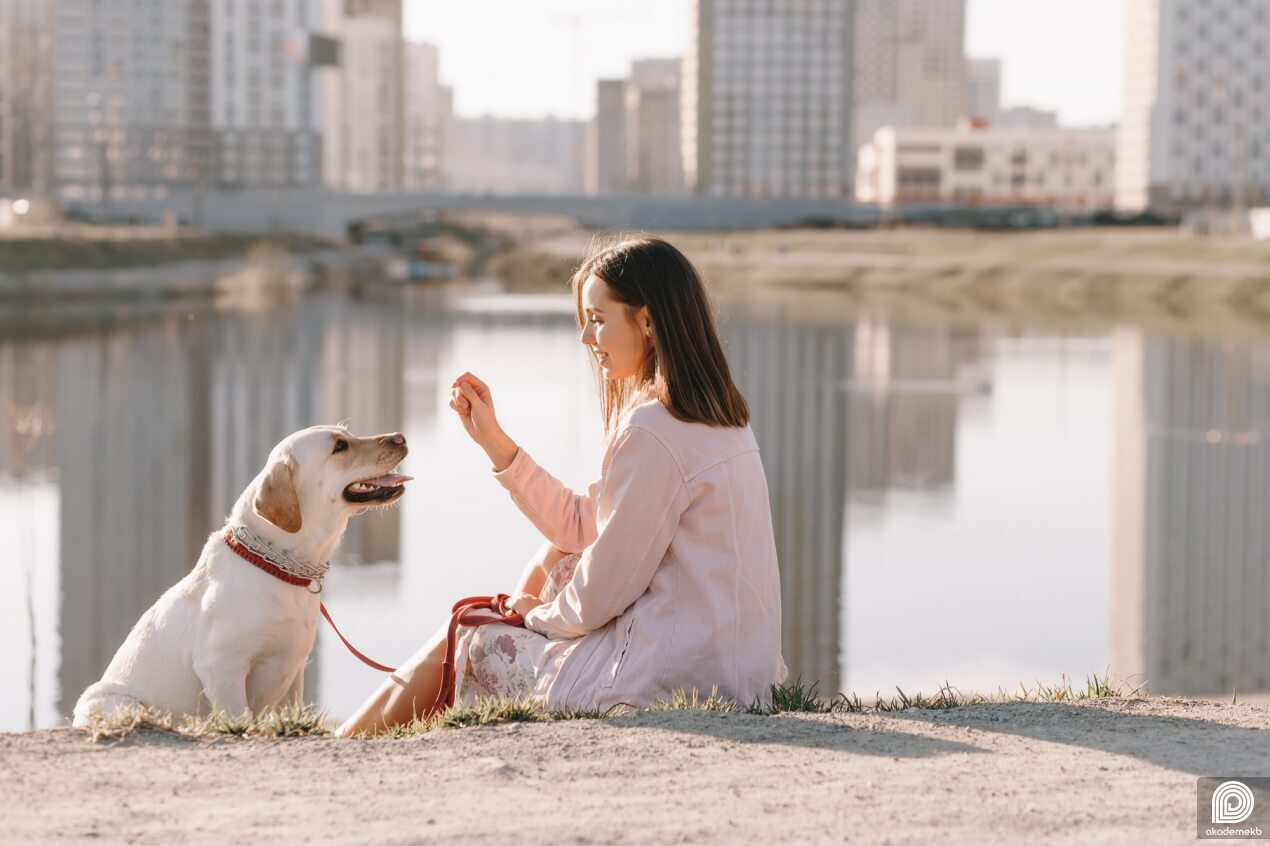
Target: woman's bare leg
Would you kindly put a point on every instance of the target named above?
(404, 695)
(539, 567)
(410, 692)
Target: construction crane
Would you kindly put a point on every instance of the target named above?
(577, 21)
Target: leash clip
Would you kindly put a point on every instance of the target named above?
(313, 582)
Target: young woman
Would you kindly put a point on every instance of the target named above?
(663, 574)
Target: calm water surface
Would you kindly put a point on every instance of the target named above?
(973, 505)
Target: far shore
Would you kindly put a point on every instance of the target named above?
(81, 247)
(1069, 277)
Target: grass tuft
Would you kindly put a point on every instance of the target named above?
(288, 721)
(487, 712)
(683, 701)
(798, 697)
(795, 696)
(124, 722)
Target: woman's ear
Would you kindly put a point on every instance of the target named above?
(644, 321)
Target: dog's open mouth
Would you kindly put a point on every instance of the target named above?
(381, 489)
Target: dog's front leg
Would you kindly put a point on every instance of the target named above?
(295, 696)
(225, 687)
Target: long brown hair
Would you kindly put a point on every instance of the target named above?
(686, 368)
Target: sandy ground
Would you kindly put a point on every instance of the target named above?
(1113, 772)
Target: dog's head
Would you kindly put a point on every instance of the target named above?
(325, 472)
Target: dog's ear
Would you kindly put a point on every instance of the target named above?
(277, 500)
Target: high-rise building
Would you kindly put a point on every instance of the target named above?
(265, 100)
(654, 153)
(1195, 129)
(363, 119)
(26, 124)
(767, 99)
(983, 88)
(130, 98)
(428, 108)
(606, 139)
(910, 67)
(634, 144)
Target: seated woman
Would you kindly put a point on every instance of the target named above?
(663, 575)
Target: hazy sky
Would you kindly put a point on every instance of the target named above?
(514, 58)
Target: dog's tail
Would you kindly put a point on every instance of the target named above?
(102, 698)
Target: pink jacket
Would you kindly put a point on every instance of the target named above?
(677, 585)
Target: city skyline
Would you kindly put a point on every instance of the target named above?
(1034, 40)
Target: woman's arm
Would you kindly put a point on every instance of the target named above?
(565, 518)
(637, 514)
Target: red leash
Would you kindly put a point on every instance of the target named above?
(353, 649)
(471, 611)
(251, 557)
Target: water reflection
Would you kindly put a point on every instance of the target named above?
(977, 549)
(1192, 591)
(792, 376)
(944, 498)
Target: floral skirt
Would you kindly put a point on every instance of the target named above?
(508, 661)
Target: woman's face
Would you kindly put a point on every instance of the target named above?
(618, 340)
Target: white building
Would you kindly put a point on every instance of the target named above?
(1195, 129)
(654, 146)
(983, 89)
(266, 107)
(910, 67)
(495, 156)
(26, 124)
(428, 108)
(767, 99)
(606, 140)
(634, 144)
(130, 98)
(363, 120)
(1068, 168)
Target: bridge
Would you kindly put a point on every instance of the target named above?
(329, 213)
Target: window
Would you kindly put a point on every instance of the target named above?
(968, 158)
(918, 181)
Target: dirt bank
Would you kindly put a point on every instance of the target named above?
(1068, 278)
(70, 246)
(1113, 771)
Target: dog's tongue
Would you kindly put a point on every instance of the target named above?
(391, 480)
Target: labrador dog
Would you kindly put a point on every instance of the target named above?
(234, 634)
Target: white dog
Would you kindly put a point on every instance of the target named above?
(234, 634)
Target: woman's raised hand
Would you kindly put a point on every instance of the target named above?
(472, 401)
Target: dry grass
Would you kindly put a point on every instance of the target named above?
(792, 697)
(291, 721)
(1075, 278)
(88, 248)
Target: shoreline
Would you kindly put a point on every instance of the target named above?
(1102, 771)
(46, 249)
(1077, 278)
